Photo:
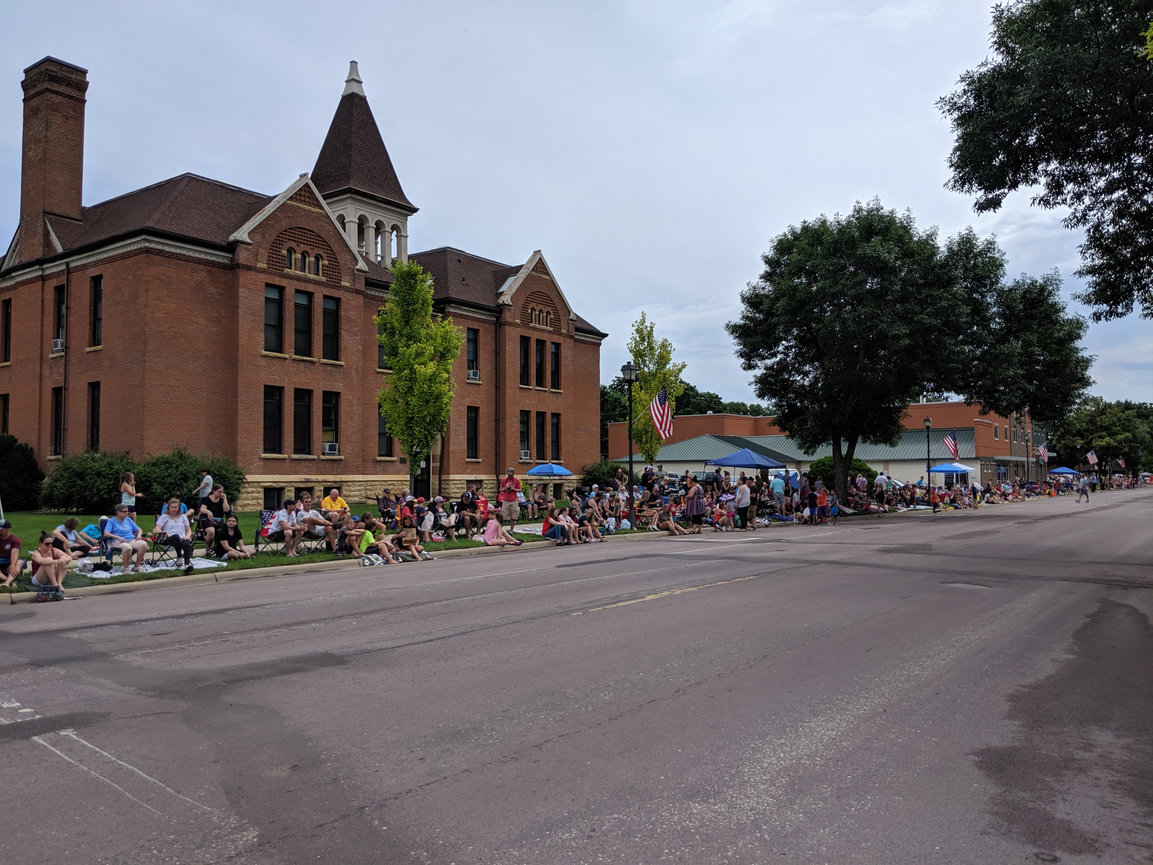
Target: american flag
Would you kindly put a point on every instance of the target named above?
(662, 416)
(1121, 462)
(951, 446)
(1092, 457)
(1043, 454)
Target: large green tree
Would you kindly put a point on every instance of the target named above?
(856, 316)
(420, 350)
(655, 369)
(1063, 108)
(1111, 429)
(844, 326)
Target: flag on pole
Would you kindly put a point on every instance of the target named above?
(1092, 457)
(1121, 462)
(951, 446)
(662, 416)
(1043, 453)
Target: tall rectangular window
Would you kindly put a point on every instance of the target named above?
(56, 445)
(330, 329)
(525, 423)
(93, 415)
(540, 439)
(525, 361)
(301, 421)
(330, 416)
(996, 431)
(471, 445)
(273, 321)
(381, 360)
(60, 303)
(6, 330)
(3, 414)
(554, 438)
(96, 311)
(383, 437)
(471, 354)
(540, 363)
(273, 420)
(554, 366)
(302, 324)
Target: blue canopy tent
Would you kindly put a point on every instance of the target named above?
(746, 459)
(952, 469)
(548, 470)
(1063, 471)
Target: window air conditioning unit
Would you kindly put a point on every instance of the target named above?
(330, 449)
(524, 455)
(57, 346)
(474, 375)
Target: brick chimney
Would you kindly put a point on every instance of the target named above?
(52, 170)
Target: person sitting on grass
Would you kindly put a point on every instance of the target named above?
(373, 543)
(127, 538)
(408, 540)
(496, 535)
(10, 562)
(666, 521)
(229, 541)
(556, 529)
(173, 530)
(722, 522)
(49, 565)
(68, 538)
(588, 526)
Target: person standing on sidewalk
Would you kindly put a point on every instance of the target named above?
(744, 506)
(509, 487)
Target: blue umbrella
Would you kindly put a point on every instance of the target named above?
(549, 470)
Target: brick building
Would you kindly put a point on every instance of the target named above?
(194, 313)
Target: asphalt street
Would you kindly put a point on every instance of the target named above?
(968, 687)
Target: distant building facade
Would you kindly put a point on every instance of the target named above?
(1000, 448)
(197, 314)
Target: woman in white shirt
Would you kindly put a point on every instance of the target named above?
(173, 530)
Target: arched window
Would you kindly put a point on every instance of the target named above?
(319, 262)
(303, 267)
(290, 259)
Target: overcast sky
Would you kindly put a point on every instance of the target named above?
(651, 149)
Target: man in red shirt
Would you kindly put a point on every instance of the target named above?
(509, 487)
(10, 562)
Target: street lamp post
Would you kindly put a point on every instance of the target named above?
(629, 374)
(928, 459)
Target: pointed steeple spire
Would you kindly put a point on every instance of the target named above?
(353, 158)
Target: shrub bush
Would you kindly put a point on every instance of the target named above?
(20, 482)
(87, 483)
(177, 473)
(598, 473)
(823, 469)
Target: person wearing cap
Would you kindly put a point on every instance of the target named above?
(508, 491)
(127, 537)
(10, 562)
(385, 503)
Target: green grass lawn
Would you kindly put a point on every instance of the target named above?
(27, 526)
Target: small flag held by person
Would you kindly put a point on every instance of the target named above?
(662, 416)
(1092, 457)
(951, 446)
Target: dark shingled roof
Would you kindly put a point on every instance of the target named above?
(188, 206)
(465, 278)
(353, 156)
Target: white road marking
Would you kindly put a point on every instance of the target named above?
(112, 784)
